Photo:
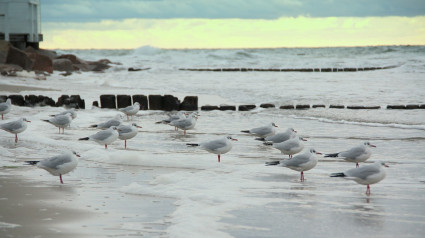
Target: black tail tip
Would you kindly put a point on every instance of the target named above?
(245, 131)
(85, 138)
(93, 126)
(338, 175)
(32, 162)
(261, 139)
(331, 155)
(192, 144)
(272, 163)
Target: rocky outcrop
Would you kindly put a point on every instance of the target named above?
(63, 65)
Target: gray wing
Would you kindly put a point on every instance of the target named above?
(109, 123)
(353, 152)
(55, 161)
(362, 172)
(287, 145)
(101, 135)
(261, 130)
(279, 137)
(214, 144)
(124, 129)
(62, 120)
(181, 123)
(11, 126)
(3, 106)
(297, 160)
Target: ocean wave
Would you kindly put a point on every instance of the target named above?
(147, 50)
(370, 124)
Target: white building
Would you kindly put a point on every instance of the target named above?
(20, 22)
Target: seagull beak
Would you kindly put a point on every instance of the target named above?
(386, 165)
(318, 153)
(138, 126)
(303, 139)
(235, 139)
(372, 145)
(27, 121)
(78, 155)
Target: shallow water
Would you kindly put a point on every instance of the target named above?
(159, 187)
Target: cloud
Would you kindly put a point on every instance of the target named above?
(96, 10)
(236, 33)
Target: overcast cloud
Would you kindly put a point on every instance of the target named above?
(96, 10)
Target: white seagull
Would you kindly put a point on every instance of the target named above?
(185, 123)
(356, 154)
(61, 121)
(280, 137)
(5, 107)
(72, 111)
(15, 127)
(291, 146)
(218, 146)
(365, 175)
(263, 131)
(177, 116)
(301, 162)
(104, 137)
(116, 121)
(58, 165)
(126, 132)
(131, 110)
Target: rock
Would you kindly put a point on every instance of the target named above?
(9, 69)
(49, 53)
(31, 100)
(123, 101)
(155, 102)
(302, 106)
(75, 101)
(41, 62)
(318, 105)
(363, 107)
(209, 108)
(4, 49)
(95, 104)
(19, 57)
(46, 101)
(100, 67)
(142, 100)
(62, 100)
(63, 65)
(66, 74)
(287, 107)
(17, 100)
(3, 98)
(227, 108)
(422, 106)
(412, 106)
(246, 107)
(337, 106)
(267, 105)
(170, 103)
(396, 107)
(190, 103)
(108, 101)
(74, 59)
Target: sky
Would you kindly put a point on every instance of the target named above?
(181, 24)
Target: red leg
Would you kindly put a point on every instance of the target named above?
(2, 116)
(368, 190)
(357, 165)
(219, 158)
(16, 138)
(302, 176)
(60, 177)
(106, 146)
(184, 132)
(125, 144)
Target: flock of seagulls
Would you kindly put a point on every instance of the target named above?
(287, 142)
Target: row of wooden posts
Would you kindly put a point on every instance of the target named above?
(171, 103)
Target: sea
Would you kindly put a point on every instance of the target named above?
(159, 187)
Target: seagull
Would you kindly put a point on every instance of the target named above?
(365, 175)
(131, 110)
(58, 165)
(185, 123)
(301, 162)
(263, 131)
(218, 146)
(104, 137)
(177, 116)
(126, 132)
(15, 127)
(5, 107)
(116, 121)
(291, 146)
(61, 121)
(72, 111)
(356, 154)
(280, 137)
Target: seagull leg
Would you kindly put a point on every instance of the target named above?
(16, 138)
(106, 146)
(2, 116)
(302, 176)
(60, 177)
(357, 165)
(368, 190)
(184, 132)
(125, 144)
(219, 158)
